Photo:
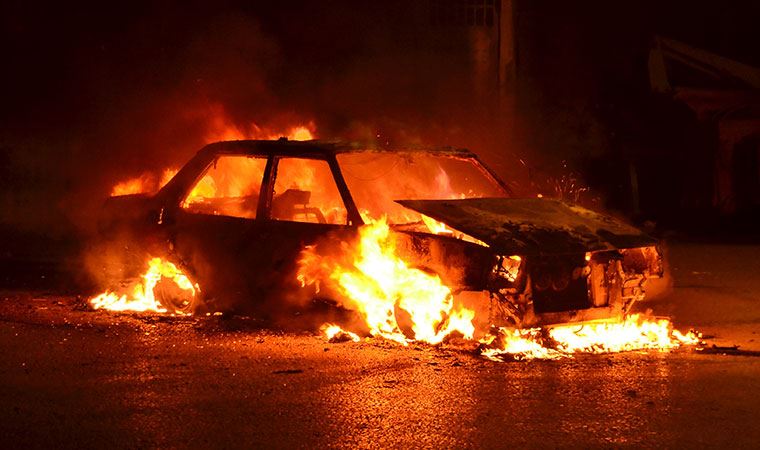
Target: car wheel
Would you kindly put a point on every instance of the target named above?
(177, 300)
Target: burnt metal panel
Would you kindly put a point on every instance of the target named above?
(533, 226)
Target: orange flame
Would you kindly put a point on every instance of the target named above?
(435, 226)
(634, 333)
(334, 333)
(132, 186)
(166, 176)
(221, 130)
(373, 280)
(141, 296)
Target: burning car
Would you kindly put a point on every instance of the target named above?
(242, 218)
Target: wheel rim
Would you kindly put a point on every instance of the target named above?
(174, 298)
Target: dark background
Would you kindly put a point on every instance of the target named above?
(94, 93)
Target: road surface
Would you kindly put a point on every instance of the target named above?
(76, 378)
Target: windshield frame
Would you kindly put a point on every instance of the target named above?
(470, 158)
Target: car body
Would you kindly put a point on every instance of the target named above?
(532, 261)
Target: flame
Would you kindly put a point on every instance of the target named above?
(222, 129)
(509, 267)
(137, 185)
(435, 226)
(377, 180)
(334, 333)
(301, 133)
(374, 281)
(633, 333)
(232, 176)
(141, 296)
(148, 182)
(167, 175)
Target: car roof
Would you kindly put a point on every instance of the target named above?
(317, 148)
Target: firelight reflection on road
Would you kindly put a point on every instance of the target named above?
(609, 403)
(140, 380)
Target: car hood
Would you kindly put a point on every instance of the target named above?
(533, 226)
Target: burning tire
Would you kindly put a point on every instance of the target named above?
(175, 299)
(162, 287)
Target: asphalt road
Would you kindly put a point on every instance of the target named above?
(75, 378)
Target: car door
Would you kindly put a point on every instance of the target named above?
(308, 200)
(216, 228)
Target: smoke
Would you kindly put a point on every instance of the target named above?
(107, 95)
(94, 93)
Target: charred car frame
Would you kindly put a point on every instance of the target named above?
(535, 261)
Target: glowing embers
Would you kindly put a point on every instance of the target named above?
(163, 287)
(371, 279)
(634, 333)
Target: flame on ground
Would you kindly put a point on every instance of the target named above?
(374, 281)
(140, 296)
(634, 333)
(334, 333)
